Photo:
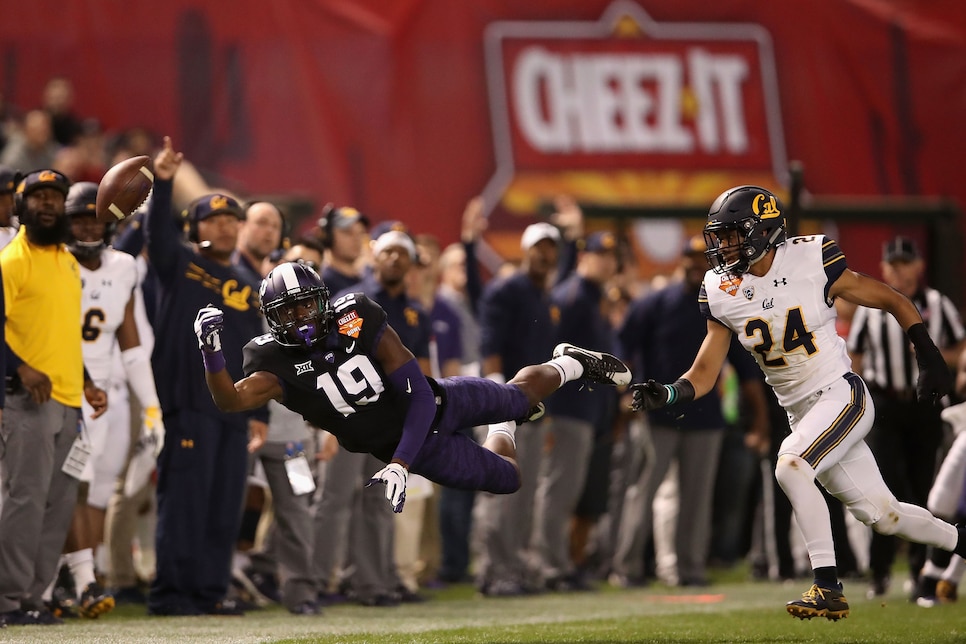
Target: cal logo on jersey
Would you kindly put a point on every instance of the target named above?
(412, 316)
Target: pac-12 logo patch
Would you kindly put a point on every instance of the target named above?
(748, 292)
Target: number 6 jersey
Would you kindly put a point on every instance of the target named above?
(786, 319)
(338, 384)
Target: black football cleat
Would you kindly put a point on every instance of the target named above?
(536, 413)
(95, 601)
(599, 367)
(829, 603)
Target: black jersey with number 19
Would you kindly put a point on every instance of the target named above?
(338, 385)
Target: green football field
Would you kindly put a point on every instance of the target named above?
(732, 611)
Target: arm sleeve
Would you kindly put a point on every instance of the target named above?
(474, 282)
(164, 245)
(567, 260)
(410, 384)
(140, 377)
(494, 320)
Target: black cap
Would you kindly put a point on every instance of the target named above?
(44, 179)
(900, 249)
(391, 225)
(600, 242)
(213, 204)
(8, 179)
(342, 217)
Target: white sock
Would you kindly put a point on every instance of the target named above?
(508, 428)
(81, 564)
(929, 569)
(240, 560)
(49, 591)
(568, 368)
(954, 571)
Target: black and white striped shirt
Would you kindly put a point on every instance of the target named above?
(888, 359)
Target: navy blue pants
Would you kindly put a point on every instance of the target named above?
(202, 472)
(453, 459)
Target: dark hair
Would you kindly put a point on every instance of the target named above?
(310, 242)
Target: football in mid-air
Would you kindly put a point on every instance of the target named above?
(124, 187)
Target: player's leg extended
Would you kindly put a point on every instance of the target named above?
(824, 427)
(855, 480)
(570, 363)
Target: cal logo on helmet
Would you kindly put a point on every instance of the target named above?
(766, 206)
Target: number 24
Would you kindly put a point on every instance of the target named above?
(796, 335)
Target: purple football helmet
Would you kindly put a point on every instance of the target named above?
(295, 302)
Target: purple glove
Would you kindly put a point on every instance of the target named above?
(208, 326)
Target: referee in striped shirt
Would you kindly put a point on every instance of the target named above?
(907, 434)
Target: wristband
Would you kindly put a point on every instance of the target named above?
(680, 391)
(214, 361)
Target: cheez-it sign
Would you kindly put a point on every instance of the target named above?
(628, 93)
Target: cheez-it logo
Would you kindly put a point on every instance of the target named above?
(730, 284)
(352, 326)
(629, 94)
(348, 317)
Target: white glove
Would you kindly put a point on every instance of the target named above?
(208, 326)
(394, 476)
(152, 432)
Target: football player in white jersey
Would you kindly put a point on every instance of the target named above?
(109, 279)
(777, 295)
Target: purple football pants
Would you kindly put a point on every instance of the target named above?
(455, 460)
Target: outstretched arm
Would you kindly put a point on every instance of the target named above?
(411, 387)
(706, 367)
(696, 381)
(935, 379)
(865, 291)
(248, 393)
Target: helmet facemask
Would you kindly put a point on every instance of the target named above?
(301, 319)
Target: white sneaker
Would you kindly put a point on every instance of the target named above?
(602, 368)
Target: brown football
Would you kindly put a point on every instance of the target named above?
(124, 187)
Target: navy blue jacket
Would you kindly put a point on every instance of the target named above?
(583, 324)
(404, 315)
(188, 281)
(517, 322)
